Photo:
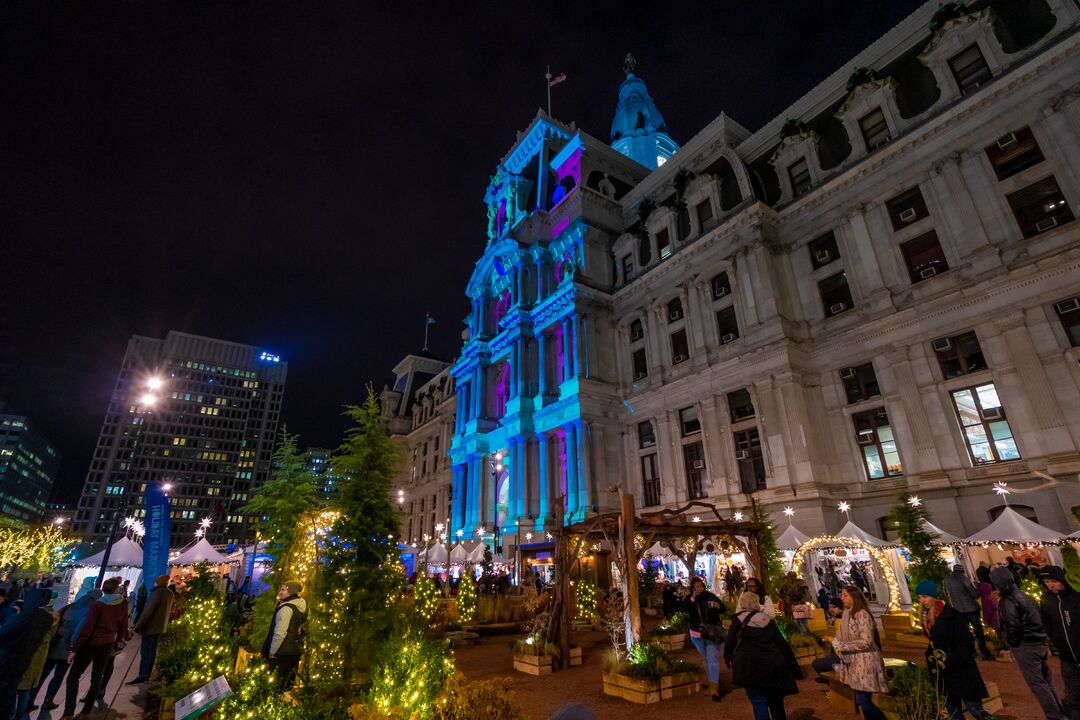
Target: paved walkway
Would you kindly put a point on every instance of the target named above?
(126, 701)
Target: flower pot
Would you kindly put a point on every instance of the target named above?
(533, 664)
(646, 691)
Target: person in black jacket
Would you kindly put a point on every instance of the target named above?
(20, 639)
(1060, 612)
(762, 662)
(951, 655)
(704, 614)
(284, 643)
(1022, 630)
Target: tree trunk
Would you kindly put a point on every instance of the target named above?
(631, 605)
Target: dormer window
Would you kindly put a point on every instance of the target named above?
(969, 68)
(663, 243)
(705, 215)
(875, 130)
(799, 173)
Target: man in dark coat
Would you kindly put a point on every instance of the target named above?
(965, 600)
(1022, 631)
(951, 655)
(284, 643)
(1060, 612)
(20, 638)
(151, 624)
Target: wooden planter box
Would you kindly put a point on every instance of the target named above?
(243, 659)
(887, 703)
(895, 623)
(645, 692)
(575, 656)
(912, 641)
(807, 654)
(671, 643)
(533, 664)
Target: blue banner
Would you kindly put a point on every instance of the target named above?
(156, 540)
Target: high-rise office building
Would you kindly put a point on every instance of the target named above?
(195, 414)
(28, 466)
(325, 478)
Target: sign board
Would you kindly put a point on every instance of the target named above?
(206, 697)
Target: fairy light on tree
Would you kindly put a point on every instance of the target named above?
(425, 596)
(466, 599)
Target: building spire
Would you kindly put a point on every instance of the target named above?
(638, 130)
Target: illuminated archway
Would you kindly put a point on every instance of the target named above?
(875, 553)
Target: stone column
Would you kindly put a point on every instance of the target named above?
(907, 415)
(654, 338)
(693, 318)
(981, 185)
(579, 328)
(711, 438)
(665, 445)
(472, 497)
(523, 471)
(572, 496)
(541, 280)
(458, 510)
(513, 470)
(541, 366)
(543, 481)
(864, 266)
(515, 361)
(706, 332)
(522, 283)
(567, 347)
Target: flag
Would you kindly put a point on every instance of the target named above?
(556, 80)
(430, 320)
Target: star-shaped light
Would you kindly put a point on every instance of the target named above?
(460, 532)
(550, 536)
(439, 527)
(199, 533)
(789, 511)
(480, 532)
(914, 501)
(697, 518)
(528, 536)
(206, 522)
(844, 506)
(442, 537)
(738, 516)
(1001, 489)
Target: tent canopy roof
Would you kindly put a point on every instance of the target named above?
(791, 539)
(125, 552)
(940, 536)
(201, 551)
(1012, 527)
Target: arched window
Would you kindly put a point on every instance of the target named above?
(1025, 510)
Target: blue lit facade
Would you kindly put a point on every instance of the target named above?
(638, 130)
(536, 383)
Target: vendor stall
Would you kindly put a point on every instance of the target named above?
(1012, 534)
(125, 562)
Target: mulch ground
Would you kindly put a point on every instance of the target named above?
(541, 696)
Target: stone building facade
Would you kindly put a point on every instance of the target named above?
(876, 294)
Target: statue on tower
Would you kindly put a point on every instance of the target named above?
(629, 65)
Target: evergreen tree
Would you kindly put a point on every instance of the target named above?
(357, 578)
(770, 553)
(925, 561)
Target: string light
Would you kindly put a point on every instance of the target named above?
(879, 559)
(466, 599)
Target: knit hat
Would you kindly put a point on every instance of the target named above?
(929, 588)
(1052, 572)
(294, 588)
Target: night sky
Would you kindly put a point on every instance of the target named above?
(309, 177)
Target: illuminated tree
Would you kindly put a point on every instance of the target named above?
(466, 599)
(33, 548)
(425, 597)
(359, 550)
(410, 673)
(911, 517)
(770, 553)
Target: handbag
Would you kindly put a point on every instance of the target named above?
(710, 631)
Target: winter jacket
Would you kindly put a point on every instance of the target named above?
(32, 675)
(705, 609)
(71, 617)
(1061, 616)
(990, 615)
(951, 656)
(106, 623)
(154, 617)
(22, 635)
(284, 638)
(1021, 621)
(962, 594)
(759, 655)
(861, 666)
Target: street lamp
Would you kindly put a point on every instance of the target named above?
(147, 399)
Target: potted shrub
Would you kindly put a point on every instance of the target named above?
(649, 675)
(534, 655)
(672, 634)
(806, 648)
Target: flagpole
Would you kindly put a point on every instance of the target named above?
(548, 77)
(427, 324)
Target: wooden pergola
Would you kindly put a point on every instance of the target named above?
(684, 531)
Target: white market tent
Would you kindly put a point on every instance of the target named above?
(435, 555)
(940, 536)
(459, 554)
(200, 552)
(125, 553)
(852, 530)
(791, 539)
(476, 555)
(1012, 527)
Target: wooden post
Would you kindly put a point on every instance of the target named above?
(631, 606)
(559, 623)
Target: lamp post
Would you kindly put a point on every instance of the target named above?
(145, 403)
